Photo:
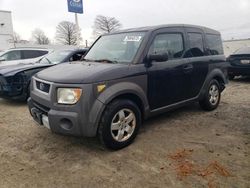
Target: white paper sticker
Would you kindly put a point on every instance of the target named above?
(132, 38)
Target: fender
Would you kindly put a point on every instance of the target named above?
(213, 74)
(111, 93)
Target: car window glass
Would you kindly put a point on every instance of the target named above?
(120, 47)
(28, 54)
(77, 56)
(41, 53)
(12, 55)
(171, 43)
(56, 57)
(196, 45)
(214, 44)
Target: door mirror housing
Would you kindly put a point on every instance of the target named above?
(158, 57)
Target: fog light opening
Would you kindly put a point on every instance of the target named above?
(66, 124)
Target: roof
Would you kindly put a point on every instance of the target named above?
(29, 48)
(153, 28)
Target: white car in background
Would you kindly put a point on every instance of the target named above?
(22, 55)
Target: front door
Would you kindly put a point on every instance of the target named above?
(169, 82)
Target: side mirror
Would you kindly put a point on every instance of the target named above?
(2, 59)
(158, 57)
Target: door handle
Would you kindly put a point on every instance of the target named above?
(188, 68)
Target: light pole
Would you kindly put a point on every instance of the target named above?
(77, 30)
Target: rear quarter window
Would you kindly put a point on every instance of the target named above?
(214, 44)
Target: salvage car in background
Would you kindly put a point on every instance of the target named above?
(15, 79)
(239, 63)
(22, 55)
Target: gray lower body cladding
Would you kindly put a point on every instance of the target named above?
(70, 122)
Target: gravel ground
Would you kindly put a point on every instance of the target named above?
(31, 156)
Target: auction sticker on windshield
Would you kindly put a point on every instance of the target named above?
(132, 38)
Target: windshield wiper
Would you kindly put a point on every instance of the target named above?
(48, 60)
(105, 60)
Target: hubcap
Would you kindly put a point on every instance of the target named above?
(123, 125)
(213, 94)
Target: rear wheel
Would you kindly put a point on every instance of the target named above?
(120, 124)
(212, 96)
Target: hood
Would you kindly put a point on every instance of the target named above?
(83, 72)
(10, 70)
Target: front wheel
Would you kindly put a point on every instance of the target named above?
(212, 96)
(119, 124)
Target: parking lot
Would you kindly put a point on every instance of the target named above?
(31, 156)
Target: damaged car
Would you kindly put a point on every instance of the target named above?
(239, 63)
(15, 79)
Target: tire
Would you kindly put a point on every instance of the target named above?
(212, 96)
(119, 124)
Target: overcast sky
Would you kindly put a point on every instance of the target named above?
(231, 17)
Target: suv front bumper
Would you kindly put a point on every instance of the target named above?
(80, 119)
(61, 122)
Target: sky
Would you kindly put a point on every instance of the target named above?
(230, 17)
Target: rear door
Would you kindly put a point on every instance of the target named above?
(196, 55)
(169, 81)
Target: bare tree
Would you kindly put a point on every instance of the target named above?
(105, 24)
(66, 33)
(39, 37)
(16, 37)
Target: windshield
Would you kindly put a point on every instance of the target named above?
(119, 48)
(55, 57)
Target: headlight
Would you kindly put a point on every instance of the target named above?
(68, 95)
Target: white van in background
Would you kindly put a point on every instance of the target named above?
(22, 55)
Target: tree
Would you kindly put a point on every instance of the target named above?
(16, 37)
(67, 33)
(105, 24)
(39, 37)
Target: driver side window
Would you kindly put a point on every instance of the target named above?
(169, 43)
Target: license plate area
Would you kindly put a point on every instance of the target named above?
(40, 118)
(245, 61)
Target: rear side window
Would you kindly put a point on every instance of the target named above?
(12, 55)
(28, 54)
(214, 44)
(170, 43)
(43, 52)
(196, 45)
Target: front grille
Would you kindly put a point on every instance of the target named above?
(44, 87)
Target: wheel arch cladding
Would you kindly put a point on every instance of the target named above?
(216, 74)
(125, 90)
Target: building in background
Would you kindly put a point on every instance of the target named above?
(6, 30)
(230, 46)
